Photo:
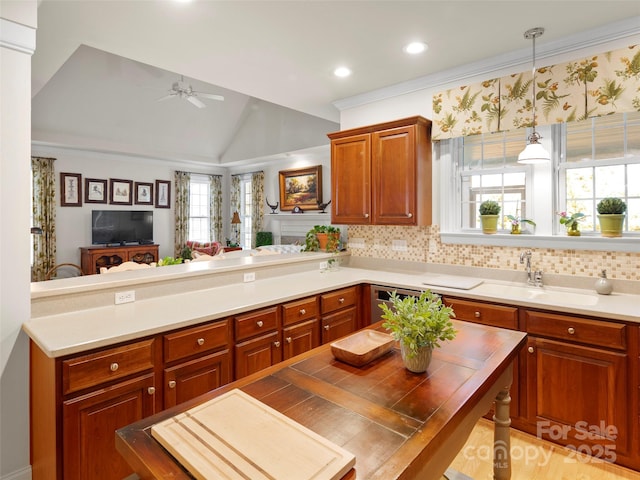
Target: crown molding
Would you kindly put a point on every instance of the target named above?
(517, 58)
(17, 37)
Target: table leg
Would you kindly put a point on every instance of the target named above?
(501, 436)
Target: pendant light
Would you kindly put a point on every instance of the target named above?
(534, 152)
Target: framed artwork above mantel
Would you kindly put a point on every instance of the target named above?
(301, 188)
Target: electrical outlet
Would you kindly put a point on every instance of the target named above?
(323, 265)
(125, 297)
(399, 245)
(249, 277)
(356, 243)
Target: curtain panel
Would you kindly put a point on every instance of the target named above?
(572, 91)
(257, 204)
(182, 181)
(215, 208)
(44, 216)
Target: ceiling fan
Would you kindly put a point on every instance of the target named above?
(182, 90)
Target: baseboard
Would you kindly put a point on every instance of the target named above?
(22, 474)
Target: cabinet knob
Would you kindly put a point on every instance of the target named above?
(571, 330)
(326, 327)
(288, 339)
(476, 314)
(114, 366)
(259, 323)
(276, 344)
(341, 300)
(409, 215)
(200, 341)
(302, 311)
(172, 384)
(530, 349)
(366, 215)
(151, 390)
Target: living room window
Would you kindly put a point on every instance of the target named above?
(246, 207)
(199, 209)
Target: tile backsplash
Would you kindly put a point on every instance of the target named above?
(422, 244)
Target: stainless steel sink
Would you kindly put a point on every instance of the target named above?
(551, 295)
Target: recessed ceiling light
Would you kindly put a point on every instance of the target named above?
(414, 48)
(342, 72)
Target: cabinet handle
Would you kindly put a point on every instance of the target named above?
(114, 366)
(302, 311)
(259, 323)
(476, 314)
(326, 327)
(151, 390)
(288, 339)
(341, 300)
(172, 384)
(571, 330)
(200, 341)
(409, 215)
(276, 344)
(530, 349)
(366, 215)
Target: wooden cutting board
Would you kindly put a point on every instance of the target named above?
(235, 436)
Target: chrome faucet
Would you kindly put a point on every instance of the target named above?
(533, 277)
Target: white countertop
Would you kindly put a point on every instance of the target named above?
(70, 333)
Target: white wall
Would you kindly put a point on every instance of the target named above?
(17, 41)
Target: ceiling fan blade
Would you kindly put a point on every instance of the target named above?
(210, 96)
(195, 101)
(166, 97)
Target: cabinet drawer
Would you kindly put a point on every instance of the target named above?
(197, 340)
(297, 311)
(96, 368)
(255, 323)
(484, 313)
(332, 301)
(593, 332)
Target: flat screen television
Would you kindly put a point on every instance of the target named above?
(119, 227)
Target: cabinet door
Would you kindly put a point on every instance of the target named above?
(394, 173)
(572, 390)
(190, 379)
(300, 338)
(338, 325)
(350, 180)
(89, 425)
(257, 354)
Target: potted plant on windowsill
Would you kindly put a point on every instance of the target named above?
(419, 324)
(611, 212)
(324, 238)
(516, 223)
(489, 211)
(572, 222)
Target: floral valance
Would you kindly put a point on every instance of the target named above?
(594, 86)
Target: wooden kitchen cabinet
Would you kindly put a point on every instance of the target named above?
(381, 174)
(95, 257)
(258, 342)
(339, 310)
(197, 360)
(577, 381)
(301, 326)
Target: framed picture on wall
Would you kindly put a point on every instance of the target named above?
(70, 189)
(95, 190)
(301, 187)
(163, 194)
(120, 191)
(144, 193)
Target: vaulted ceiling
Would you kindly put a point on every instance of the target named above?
(100, 66)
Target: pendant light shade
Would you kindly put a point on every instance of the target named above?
(534, 152)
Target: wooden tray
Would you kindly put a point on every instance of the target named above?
(362, 347)
(235, 436)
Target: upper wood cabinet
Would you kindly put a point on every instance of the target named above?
(381, 174)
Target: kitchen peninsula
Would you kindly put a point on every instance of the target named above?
(143, 351)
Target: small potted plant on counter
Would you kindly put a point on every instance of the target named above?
(489, 211)
(325, 238)
(419, 324)
(611, 212)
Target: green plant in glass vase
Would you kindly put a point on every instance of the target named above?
(572, 222)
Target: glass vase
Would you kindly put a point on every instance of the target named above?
(573, 230)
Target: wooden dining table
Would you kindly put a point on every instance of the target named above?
(398, 424)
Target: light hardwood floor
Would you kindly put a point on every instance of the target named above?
(539, 459)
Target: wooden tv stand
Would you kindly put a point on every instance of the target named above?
(94, 257)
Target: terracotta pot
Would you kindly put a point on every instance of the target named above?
(323, 240)
(419, 362)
